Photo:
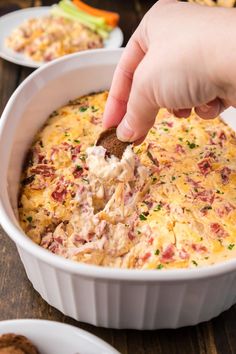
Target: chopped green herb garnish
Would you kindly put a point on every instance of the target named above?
(206, 257)
(83, 109)
(85, 180)
(78, 167)
(142, 217)
(158, 207)
(139, 232)
(82, 157)
(173, 178)
(94, 109)
(67, 134)
(41, 144)
(77, 141)
(166, 129)
(157, 252)
(231, 246)
(154, 179)
(219, 192)
(195, 263)
(160, 266)
(180, 139)
(191, 145)
(29, 218)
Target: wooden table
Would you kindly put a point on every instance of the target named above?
(18, 299)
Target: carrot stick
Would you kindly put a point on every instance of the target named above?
(111, 18)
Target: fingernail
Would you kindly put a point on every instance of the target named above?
(205, 108)
(124, 131)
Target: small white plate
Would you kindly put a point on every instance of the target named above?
(53, 337)
(12, 20)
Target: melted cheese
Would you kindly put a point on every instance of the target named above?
(170, 203)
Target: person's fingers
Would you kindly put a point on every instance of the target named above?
(141, 108)
(121, 84)
(181, 113)
(210, 110)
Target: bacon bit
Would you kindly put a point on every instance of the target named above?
(54, 247)
(58, 239)
(66, 146)
(95, 120)
(210, 154)
(218, 230)
(37, 155)
(179, 149)
(146, 256)
(41, 157)
(91, 235)
(168, 253)
(195, 184)
(75, 152)
(131, 235)
(206, 196)
(46, 240)
(44, 170)
(205, 166)
(59, 194)
(150, 241)
(222, 136)
(169, 124)
(225, 173)
(78, 171)
(199, 248)
(225, 209)
(212, 142)
(183, 254)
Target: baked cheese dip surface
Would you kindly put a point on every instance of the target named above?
(47, 38)
(168, 203)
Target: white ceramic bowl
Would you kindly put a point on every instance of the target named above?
(118, 298)
(57, 338)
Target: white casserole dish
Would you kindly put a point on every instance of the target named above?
(53, 337)
(117, 298)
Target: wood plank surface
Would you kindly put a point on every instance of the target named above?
(19, 300)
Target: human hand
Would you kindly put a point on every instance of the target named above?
(175, 59)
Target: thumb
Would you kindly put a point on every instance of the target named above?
(141, 108)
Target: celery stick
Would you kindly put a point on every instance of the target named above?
(57, 11)
(104, 34)
(60, 11)
(69, 7)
